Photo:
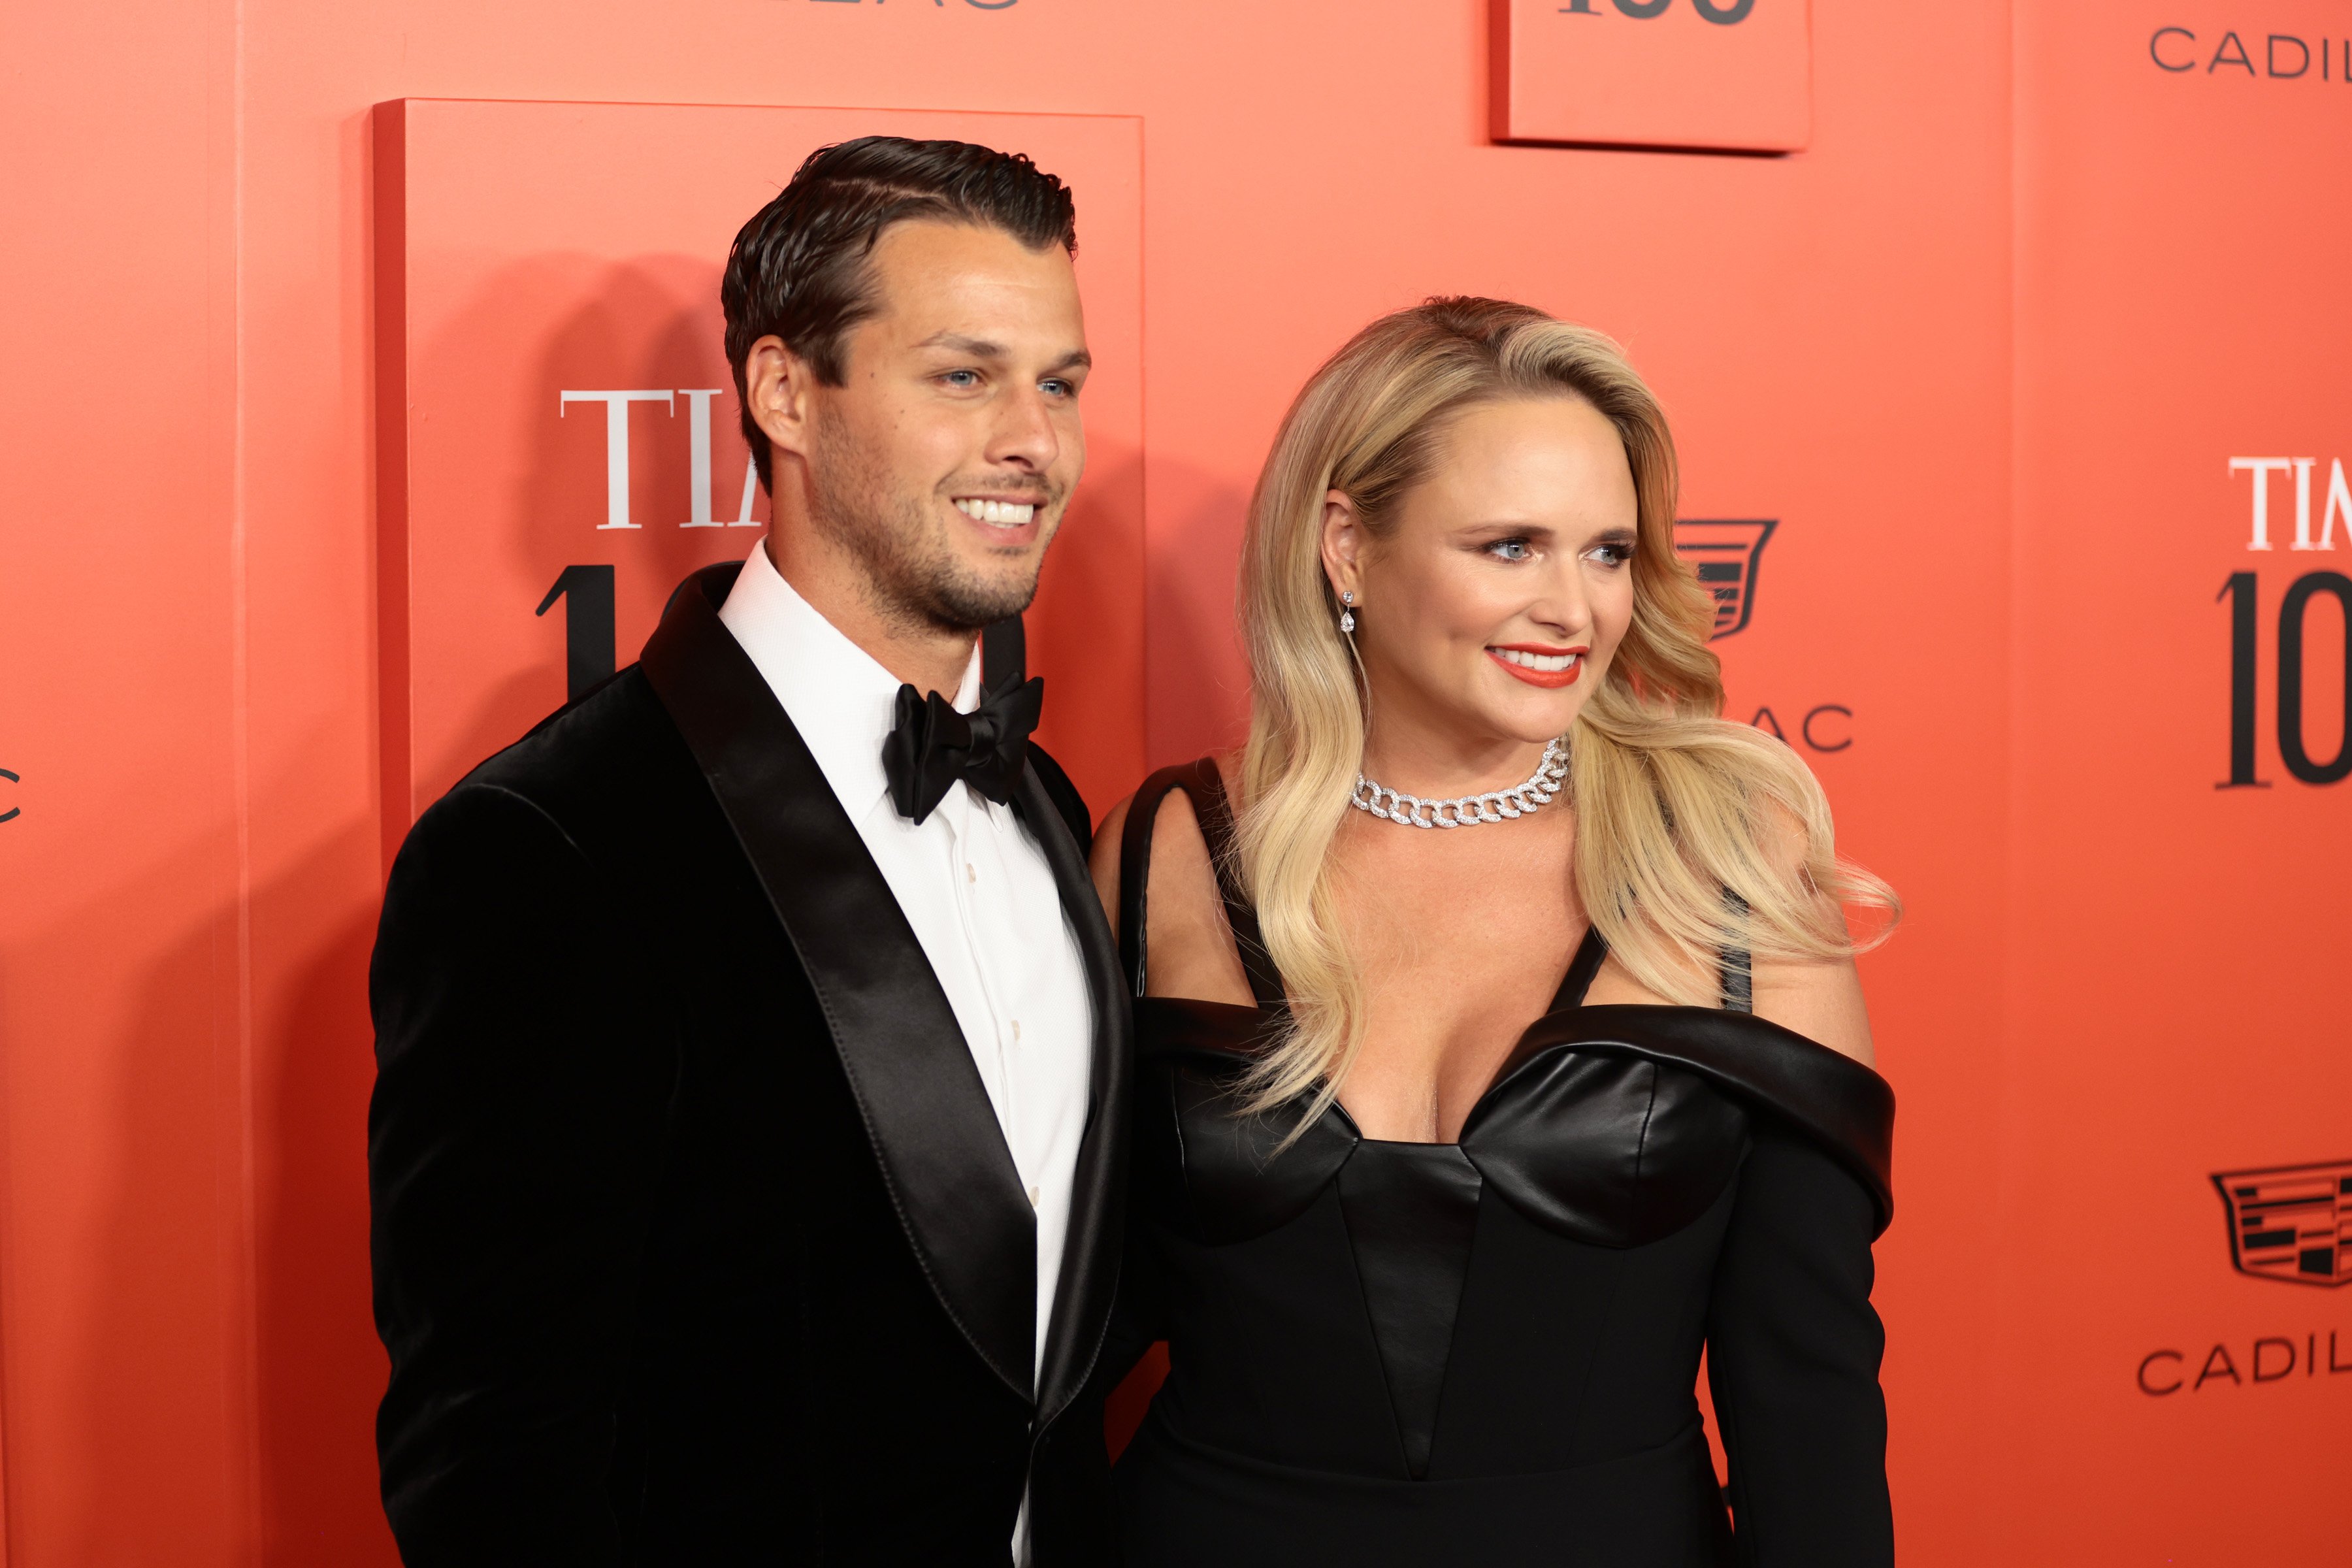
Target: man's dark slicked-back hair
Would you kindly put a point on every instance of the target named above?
(801, 269)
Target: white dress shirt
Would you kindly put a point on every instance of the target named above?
(972, 883)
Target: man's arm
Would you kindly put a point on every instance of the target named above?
(524, 1082)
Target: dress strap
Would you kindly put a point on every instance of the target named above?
(1733, 976)
(1590, 953)
(1205, 787)
(1735, 972)
(1135, 869)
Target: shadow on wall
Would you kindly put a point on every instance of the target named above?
(155, 1272)
(653, 323)
(126, 1264)
(321, 1369)
(486, 555)
(1085, 632)
(1197, 678)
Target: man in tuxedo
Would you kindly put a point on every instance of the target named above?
(746, 1146)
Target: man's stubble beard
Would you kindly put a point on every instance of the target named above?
(912, 580)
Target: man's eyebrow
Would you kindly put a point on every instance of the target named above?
(979, 348)
(982, 348)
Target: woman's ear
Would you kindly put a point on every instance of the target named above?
(1343, 545)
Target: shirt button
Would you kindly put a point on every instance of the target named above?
(970, 873)
(1017, 1029)
(1032, 1198)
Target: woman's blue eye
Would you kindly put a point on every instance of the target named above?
(1511, 549)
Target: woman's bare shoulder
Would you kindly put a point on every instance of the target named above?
(1819, 999)
(1822, 1001)
(1185, 912)
(1178, 846)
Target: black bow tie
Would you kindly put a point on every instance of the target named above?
(932, 745)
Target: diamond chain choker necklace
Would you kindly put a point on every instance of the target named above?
(1468, 810)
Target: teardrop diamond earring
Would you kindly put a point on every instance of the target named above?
(1348, 617)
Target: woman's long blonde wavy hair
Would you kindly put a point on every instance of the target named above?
(1694, 834)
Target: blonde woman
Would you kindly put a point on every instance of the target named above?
(1502, 1046)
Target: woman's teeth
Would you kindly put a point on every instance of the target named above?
(1005, 513)
(1552, 663)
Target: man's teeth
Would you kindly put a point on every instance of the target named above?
(1544, 661)
(1005, 513)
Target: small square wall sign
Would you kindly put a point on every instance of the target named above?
(1702, 75)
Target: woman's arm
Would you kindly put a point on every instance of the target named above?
(1190, 948)
(1820, 1001)
(1793, 1350)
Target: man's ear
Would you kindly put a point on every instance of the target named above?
(780, 388)
(1343, 545)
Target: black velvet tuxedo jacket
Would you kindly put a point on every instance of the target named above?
(694, 1237)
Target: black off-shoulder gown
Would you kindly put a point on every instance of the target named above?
(1486, 1353)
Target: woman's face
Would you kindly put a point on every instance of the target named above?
(1490, 607)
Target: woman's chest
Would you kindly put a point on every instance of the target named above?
(1448, 987)
(1600, 1148)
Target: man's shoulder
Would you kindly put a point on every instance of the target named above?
(614, 734)
(607, 759)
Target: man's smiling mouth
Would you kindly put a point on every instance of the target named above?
(1002, 513)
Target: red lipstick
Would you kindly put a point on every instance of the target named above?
(1549, 679)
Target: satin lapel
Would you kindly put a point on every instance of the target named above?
(941, 1150)
(1090, 1256)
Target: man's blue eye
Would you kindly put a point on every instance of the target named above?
(963, 378)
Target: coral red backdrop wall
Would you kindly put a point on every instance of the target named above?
(2006, 350)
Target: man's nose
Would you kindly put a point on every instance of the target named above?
(1024, 432)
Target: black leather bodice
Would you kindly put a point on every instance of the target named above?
(1360, 1329)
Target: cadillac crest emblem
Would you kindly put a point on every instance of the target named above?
(2291, 1222)
(1726, 554)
